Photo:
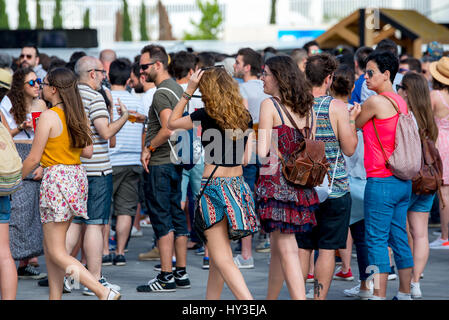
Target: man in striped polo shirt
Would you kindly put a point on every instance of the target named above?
(125, 157)
(99, 170)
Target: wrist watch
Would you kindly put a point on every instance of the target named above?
(151, 148)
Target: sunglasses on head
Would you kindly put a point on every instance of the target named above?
(28, 56)
(210, 68)
(32, 83)
(145, 66)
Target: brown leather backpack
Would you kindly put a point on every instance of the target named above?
(429, 178)
(308, 165)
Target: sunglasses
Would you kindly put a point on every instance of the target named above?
(145, 66)
(98, 70)
(370, 73)
(32, 83)
(209, 68)
(28, 56)
(398, 86)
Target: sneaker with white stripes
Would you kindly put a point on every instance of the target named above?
(158, 285)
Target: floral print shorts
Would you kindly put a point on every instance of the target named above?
(63, 193)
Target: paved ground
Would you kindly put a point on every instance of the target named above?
(434, 285)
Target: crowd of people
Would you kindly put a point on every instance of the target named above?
(195, 144)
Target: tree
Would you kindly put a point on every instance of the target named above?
(127, 35)
(86, 19)
(39, 20)
(210, 25)
(4, 24)
(164, 23)
(273, 12)
(24, 22)
(57, 18)
(143, 23)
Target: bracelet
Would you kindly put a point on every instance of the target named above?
(151, 148)
(20, 127)
(186, 96)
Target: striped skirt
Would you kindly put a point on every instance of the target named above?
(230, 198)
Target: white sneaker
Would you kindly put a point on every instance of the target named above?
(439, 244)
(415, 290)
(106, 284)
(310, 294)
(136, 233)
(353, 292)
(436, 233)
(244, 263)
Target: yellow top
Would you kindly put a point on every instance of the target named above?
(59, 150)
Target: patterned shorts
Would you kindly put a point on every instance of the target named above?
(229, 198)
(63, 193)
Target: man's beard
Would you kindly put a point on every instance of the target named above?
(238, 74)
(138, 89)
(25, 65)
(148, 77)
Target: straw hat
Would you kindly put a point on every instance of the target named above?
(440, 70)
(5, 79)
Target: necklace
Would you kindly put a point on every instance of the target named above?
(57, 104)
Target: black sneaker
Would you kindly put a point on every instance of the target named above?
(206, 263)
(157, 285)
(107, 259)
(119, 260)
(43, 282)
(182, 280)
(158, 267)
(30, 272)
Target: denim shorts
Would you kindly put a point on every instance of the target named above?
(386, 204)
(5, 209)
(193, 178)
(421, 202)
(98, 201)
(162, 187)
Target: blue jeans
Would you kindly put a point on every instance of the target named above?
(386, 204)
(5, 209)
(162, 187)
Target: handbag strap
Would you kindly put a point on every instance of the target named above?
(387, 163)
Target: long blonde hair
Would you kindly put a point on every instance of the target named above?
(223, 101)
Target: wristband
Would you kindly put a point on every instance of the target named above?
(151, 148)
(186, 96)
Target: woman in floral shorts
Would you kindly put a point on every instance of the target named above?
(62, 136)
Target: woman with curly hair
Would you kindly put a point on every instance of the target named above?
(25, 228)
(62, 137)
(226, 208)
(284, 208)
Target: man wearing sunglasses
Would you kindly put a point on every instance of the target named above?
(29, 57)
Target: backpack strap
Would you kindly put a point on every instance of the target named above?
(306, 133)
(279, 110)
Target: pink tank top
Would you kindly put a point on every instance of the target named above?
(374, 157)
(443, 140)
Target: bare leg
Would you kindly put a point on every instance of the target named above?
(418, 229)
(8, 272)
(405, 277)
(305, 255)
(444, 212)
(181, 251)
(215, 282)
(122, 229)
(220, 252)
(93, 249)
(287, 248)
(275, 274)
(324, 271)
(73, 238)
(345, 254)
(166, 246)
(56, 253)
(247, 247)
(137, 217)
(380, 284)
(106, 233)
(311, 263)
